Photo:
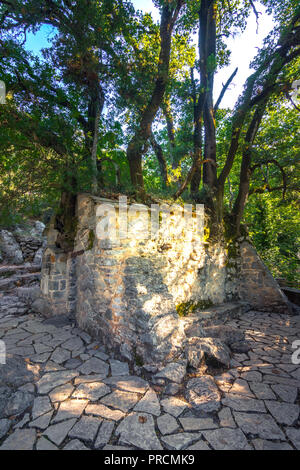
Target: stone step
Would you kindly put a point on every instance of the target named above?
(292, 294)
(9, 270)
(7, 284)
(217, 314)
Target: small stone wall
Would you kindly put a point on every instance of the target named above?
(23, 244)
(257, 284)
(131, 293)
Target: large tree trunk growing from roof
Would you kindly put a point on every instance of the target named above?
(138, 143)
(66, 221)
(197, 157)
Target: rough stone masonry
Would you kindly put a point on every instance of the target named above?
(140, 297)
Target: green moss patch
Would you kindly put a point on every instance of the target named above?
(187, 308)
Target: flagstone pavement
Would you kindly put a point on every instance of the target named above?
(61, 390)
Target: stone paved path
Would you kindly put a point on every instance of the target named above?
(60, 390)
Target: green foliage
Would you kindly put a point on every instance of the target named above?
(47, 127)
(274, 228)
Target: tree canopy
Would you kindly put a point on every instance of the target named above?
(121, 103)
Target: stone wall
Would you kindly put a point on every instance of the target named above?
(257, 284)
(23, 244)
(132, 293)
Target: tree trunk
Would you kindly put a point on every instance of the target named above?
(161, 160)
(65, 219)
(245, 173)
(197, 139)
(207, 67)
(95, 109)
(171, 131)
(137, 144)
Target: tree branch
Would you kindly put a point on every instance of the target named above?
(276, 163)
(224, 89)
(257, 13)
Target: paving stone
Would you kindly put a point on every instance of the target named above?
(261, 444)
(101, 355)
(167, 424)
(200, 445)
(27, 388)
(149, 404)
(284, 413)
(4, 427)
(60, 355)
(17, 404)
(227, 439)
(129, 384)
(61, 393)
(42, 422)
(203, 394)
(84, 357)
(70, 409)
(180, 441)
(94, 366)
(294, 436)
(175, 372)
(104, 434)
(241, 387)
(44, 444)
(92, 391)
(275, 379)
(72, 363)
(75, 444)
(41, 405)
(86, 428)
(52, 367)
(172, 389)
(174, 406)
(73, 344)
(123, 401)
(286, 393)
(137, 429)
(58, 432)
(40, 358)
(52, 380)
(118, 368)
(296, 374)
(197, 424)
(22, 351)
(262, 425)
(21, 439)
(226, 418)
(23, 422)
(240, 403)
(262, 391)
(41, 348)
(104, 412)
(252, 376)
(89, 378)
